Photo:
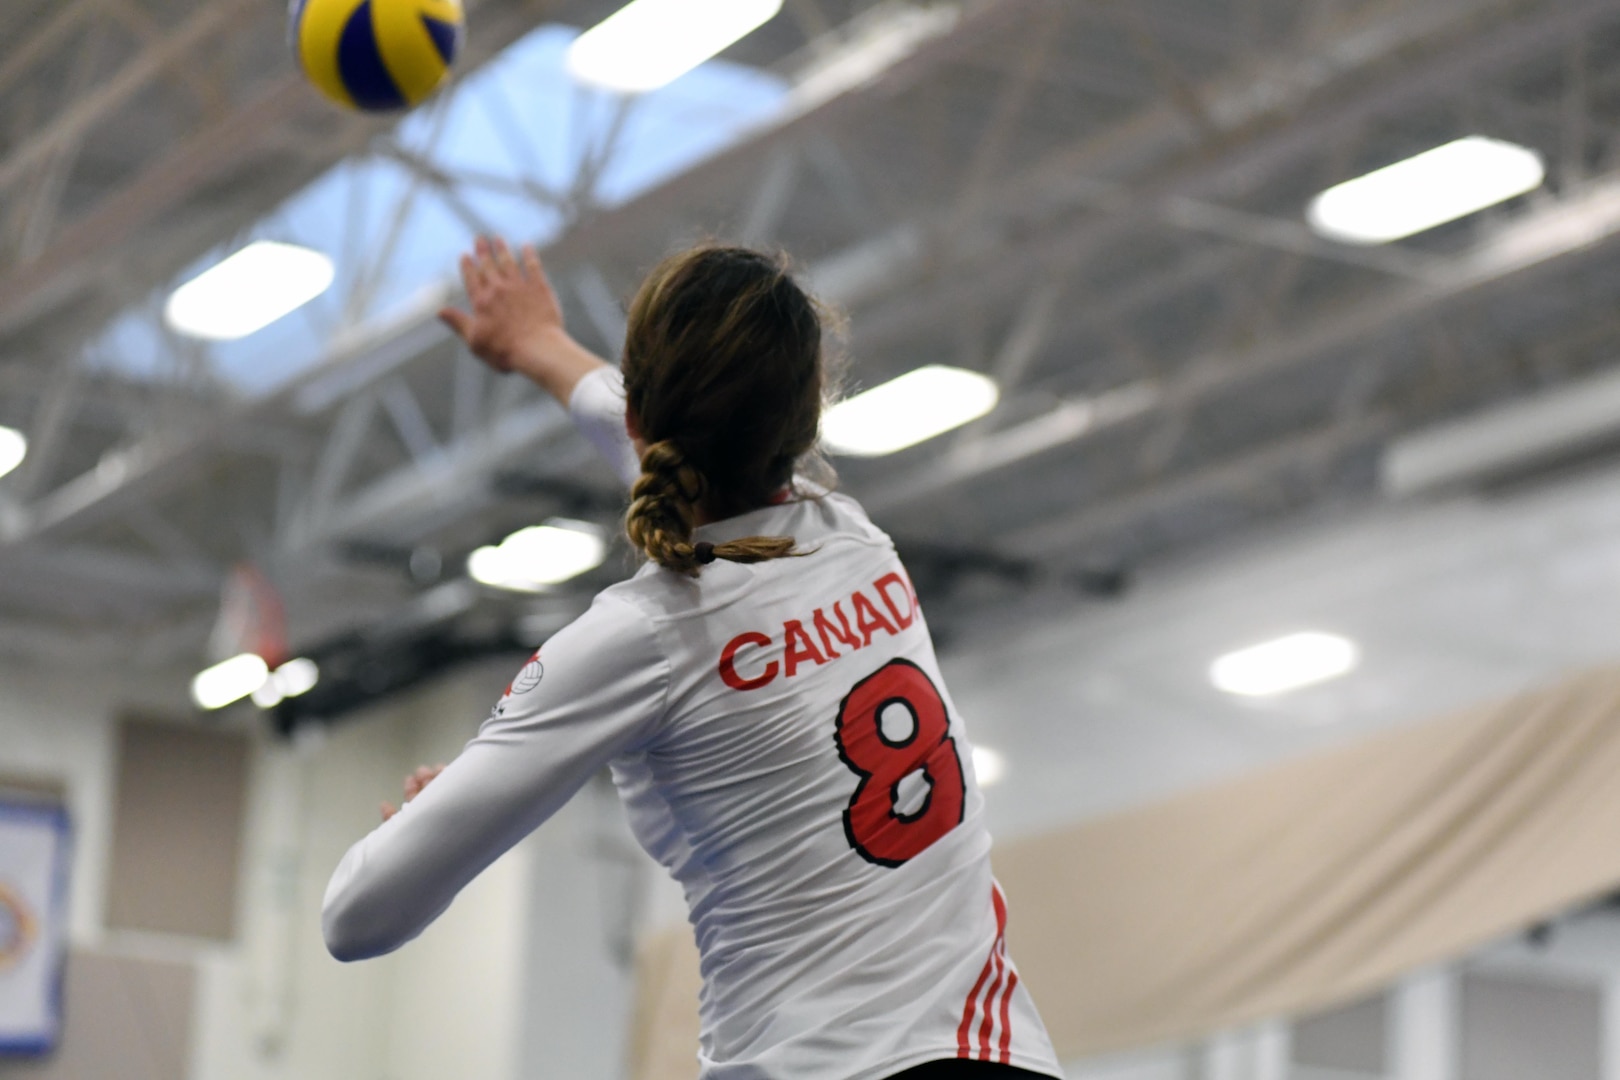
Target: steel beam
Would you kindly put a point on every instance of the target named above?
(21, 56)
(1284, 91)
(1568, 228)
(83, 114)
(1073, 538)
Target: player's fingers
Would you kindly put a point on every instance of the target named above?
(388, 811)
(504, 263)
(531, 263)
(488, 263)
(458, 321)
(472, 275)
(425, 774)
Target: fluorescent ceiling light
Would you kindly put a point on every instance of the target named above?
(905, 411)
(651, 43)
(248, 291)
(1288, 663)
(291, 679)
(228, 681)
(533, 558)
(13, 448)
(988, 766)
(1437, 186)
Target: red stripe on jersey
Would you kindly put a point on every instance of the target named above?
(970, 1009)
(993, 964)
(1006, 1029)
(990, 1008)
(1000, 902)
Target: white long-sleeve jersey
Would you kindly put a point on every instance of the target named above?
(786, 748)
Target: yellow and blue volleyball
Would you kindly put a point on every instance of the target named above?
(376, 55)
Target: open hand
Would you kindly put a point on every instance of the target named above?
(414, 783)
(513, 305)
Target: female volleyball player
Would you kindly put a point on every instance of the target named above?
(764, 690)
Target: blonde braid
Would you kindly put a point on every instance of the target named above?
(663, 516)
(663, 508)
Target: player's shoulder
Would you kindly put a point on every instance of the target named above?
(612, 642)
(618, 623)
(843, 514)
(625, 607)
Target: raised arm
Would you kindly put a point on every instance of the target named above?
(516, 323)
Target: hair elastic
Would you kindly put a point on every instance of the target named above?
(704, 553)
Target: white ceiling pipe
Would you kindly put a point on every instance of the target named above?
(1530, 432)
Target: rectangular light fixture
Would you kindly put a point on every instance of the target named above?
(13, 448)
(911, 409)
(229, 681)
(248, 291)
(651, 43)
(1422, 192)
(1288, 663)
(532, 558)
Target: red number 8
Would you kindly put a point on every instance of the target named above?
(873, 821)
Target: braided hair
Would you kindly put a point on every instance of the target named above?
(724, 374)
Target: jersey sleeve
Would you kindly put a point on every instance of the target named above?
(597, 407)
(596, 690)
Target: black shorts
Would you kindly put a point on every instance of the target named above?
(962, 1069)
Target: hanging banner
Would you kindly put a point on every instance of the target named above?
(34, 845)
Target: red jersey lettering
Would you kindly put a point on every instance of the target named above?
(869, 620)
(895, 581)
(728, 663)
(798, 647)
(827, 632)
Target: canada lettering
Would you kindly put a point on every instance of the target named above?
(834, 630)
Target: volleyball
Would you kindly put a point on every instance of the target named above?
(376, 55)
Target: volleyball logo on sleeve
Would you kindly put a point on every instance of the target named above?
(529, 677)
(524, 681)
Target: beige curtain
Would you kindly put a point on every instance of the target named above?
(1287, 890)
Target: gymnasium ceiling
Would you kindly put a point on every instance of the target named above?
(1098, 202)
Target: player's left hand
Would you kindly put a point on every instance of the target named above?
(414, 783)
